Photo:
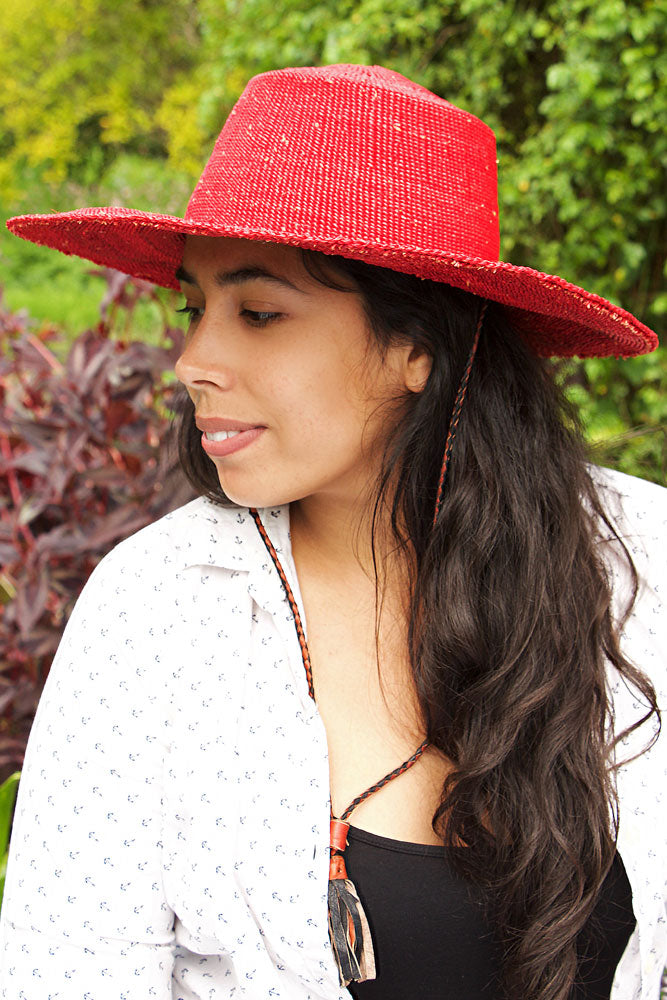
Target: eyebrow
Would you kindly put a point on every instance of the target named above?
(238, 276)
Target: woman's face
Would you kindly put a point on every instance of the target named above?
(295, 361)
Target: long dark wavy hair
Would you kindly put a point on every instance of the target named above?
(510, 622)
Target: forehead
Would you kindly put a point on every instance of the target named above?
(215, 252)
(227, 261)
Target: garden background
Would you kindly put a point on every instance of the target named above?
(119, 102)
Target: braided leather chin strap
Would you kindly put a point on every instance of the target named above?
(349, 931)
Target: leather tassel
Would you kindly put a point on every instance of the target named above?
(349, 931)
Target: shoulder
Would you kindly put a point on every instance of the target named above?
(200, 532)
(155, 568)
(146, 600)
(186, 525)
(637, 511)
(636, 506)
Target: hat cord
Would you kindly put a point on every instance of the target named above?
(349, 931)
(456, 411)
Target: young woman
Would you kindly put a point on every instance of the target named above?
(376, 714)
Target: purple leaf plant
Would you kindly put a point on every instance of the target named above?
(88, 456)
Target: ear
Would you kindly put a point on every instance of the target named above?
(417, 368)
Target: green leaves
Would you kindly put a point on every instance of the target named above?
(8, 791)
(623, 407)
(86, 74)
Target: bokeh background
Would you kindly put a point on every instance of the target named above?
(118, 102)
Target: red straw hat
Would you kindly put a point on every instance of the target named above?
(362, 162)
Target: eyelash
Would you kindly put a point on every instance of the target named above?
(193, 311)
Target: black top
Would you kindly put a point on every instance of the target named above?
(431, 939)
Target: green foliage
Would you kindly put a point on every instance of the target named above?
(623, 407)
(81, 80)
(8, 790)
(593, 174)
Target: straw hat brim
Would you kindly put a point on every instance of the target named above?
(563, 319)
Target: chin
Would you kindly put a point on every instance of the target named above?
(260, 496)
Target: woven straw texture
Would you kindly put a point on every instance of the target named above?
(362, 162)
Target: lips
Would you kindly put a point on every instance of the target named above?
(214, 424)
(220, 449)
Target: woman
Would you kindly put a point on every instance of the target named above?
(402, 597)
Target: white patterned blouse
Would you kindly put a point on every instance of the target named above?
(171, 833)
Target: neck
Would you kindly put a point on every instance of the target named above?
(335, 538)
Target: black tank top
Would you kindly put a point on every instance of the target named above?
(430, 936)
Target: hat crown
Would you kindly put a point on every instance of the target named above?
(359, 152)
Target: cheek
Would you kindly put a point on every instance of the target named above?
(324, 404)
(316, 386)
(300, 384)
(332, 437)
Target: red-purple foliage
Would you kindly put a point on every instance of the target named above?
(87, 457)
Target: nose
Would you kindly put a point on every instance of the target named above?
(200, 359)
